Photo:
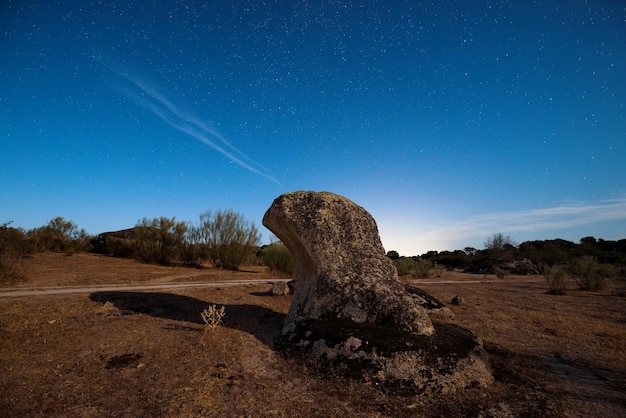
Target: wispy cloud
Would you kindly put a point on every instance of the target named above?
(450, 234)
(150, 97)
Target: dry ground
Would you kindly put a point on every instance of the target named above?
(146, 352)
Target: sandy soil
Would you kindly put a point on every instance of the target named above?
(104, 350)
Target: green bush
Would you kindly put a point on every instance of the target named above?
(158, 240)
(556, 277)
(422, 268)
(121, 247)
(278, 258)
(191, 250)
(404, 265)
(228, 238)
(586, 272)
(59, 235)
(13, 248)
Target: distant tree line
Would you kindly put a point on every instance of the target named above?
(589, 263)
(499, 249)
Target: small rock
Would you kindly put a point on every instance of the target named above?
(280, 289)
(457, 300)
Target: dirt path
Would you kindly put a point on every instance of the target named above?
(62, 290)
(168, 282)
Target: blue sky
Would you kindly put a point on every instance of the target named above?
(447, 120)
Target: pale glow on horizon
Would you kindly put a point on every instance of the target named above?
(453, 235)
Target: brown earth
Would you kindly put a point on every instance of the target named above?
(105, 350)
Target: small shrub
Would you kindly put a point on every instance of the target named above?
(422, 268)
(556, 277)
(586, 272)
(212, 316)
(278, 258)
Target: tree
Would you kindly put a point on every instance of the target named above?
(393, 254)
(228, 238)
(498, 241)
(67, 229)
(58, 235)
(471, 251)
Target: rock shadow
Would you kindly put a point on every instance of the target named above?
(265, 324)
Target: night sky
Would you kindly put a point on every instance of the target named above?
(448, 121)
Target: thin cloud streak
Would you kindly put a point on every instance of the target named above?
(152, 99)
(560, 217)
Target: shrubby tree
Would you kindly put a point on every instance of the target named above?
(58, 235)
(192, 251)
(586, 272)
(157, 240)
(498, 241)
(228, 238)
(13, 247)
(422, 267)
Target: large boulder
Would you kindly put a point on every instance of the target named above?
(349, 309)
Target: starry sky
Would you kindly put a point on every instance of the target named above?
(448, 121)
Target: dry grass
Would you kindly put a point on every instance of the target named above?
(62, 355)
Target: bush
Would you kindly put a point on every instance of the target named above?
(278, 258)
(191, 250)
(422, 268)
(121, 247)
(404, 265)
(59, 235)
(159, 239)
(228, 238)
(556, 277)
(13, 248)
(586, 272)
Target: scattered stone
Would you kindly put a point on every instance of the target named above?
(456, 300)
(351, 313)
(280, 289)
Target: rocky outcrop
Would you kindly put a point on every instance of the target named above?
(350, 311)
